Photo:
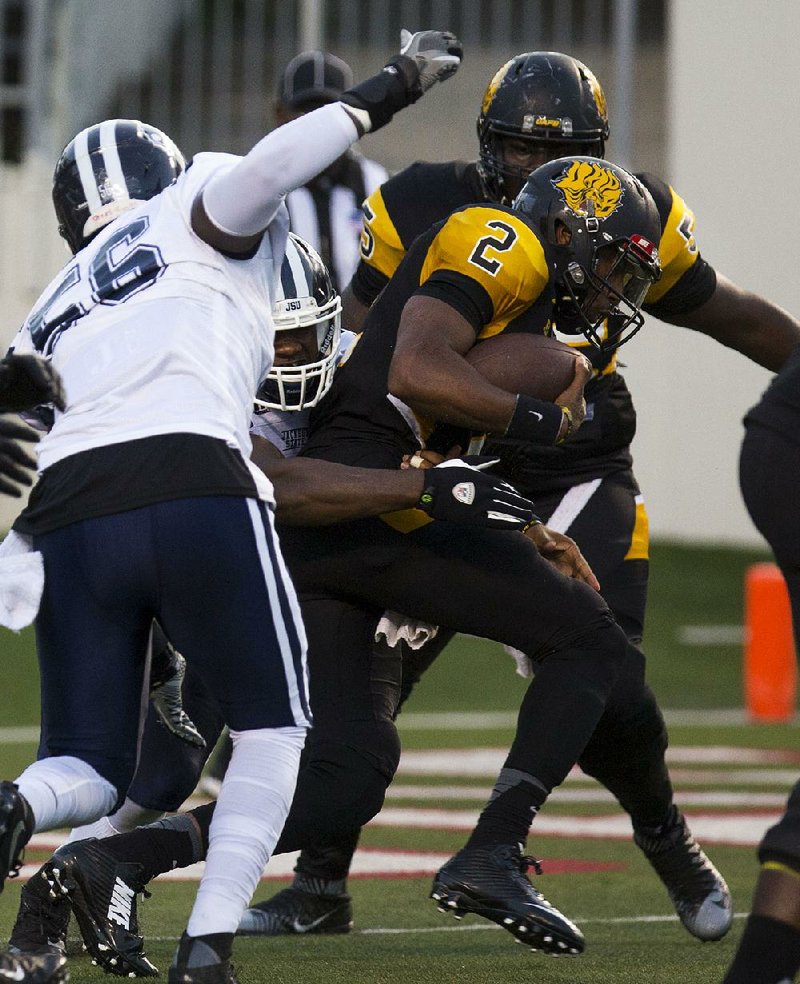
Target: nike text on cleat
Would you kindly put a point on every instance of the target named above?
(16, 827)
(491, 882)
(293, 911)
(697, 890)
(102, 894)
(28, 968)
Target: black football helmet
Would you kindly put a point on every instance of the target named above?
(539, 96)
(104, 170)
(304, 298)
(609, 259)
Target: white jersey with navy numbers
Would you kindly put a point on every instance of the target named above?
(155, 332)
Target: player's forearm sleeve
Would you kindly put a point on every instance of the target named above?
(243, 200)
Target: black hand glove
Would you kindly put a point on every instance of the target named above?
(167, 671)
(458, 491)
(425, 58)
(27, 380)
(14, 460)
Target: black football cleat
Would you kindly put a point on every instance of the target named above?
(102, 895)
(196, 962)
(293, 911)
(42, 918)
(697, 890)
(29, 968)
(491, 883)
(16, 827)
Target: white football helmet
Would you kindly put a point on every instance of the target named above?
(305, 297)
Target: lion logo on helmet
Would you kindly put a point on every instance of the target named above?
(590, 189)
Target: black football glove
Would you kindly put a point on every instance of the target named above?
(459, 491)
(15, 461)
(425, 58)
(28, 380)
(167, 671)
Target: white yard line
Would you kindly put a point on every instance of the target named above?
(478, 721)
(472, 927)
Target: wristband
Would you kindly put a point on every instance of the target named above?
(392, 89)
(536, 421)
(570, 425)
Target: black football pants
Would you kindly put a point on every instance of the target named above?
(769, 475)
(626, 751)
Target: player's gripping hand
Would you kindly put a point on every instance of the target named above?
(563, 552)
(438, 55)
(459, 491)
(27, 380)
(572, 401)
(15, 462)
(425, 58)
(166, 679)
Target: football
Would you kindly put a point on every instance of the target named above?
(534, 365)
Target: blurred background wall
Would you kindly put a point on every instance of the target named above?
(698, 93)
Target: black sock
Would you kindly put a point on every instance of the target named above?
(220, 943)
(156, 849)
(769, 953)
(507, 817)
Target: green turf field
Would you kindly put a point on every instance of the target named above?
(731, 778)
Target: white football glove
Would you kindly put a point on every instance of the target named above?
(437, 54)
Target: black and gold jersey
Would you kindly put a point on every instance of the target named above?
(484, 261)
(410, 201)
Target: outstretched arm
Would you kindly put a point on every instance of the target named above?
(237, 205)
(746, 322)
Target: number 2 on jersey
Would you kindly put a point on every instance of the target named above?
(499, 243)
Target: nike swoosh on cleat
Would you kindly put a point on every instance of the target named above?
(299, 927)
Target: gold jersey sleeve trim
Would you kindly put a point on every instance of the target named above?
(677, 249)
(498, 251)
(381, 246)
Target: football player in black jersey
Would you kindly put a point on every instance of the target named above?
(769, 470)
(578, 242)
(538, 106)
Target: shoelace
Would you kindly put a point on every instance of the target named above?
(527, 861)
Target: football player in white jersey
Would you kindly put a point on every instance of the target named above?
(146, 505)
(308, 346)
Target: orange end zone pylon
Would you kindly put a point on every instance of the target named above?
(770, 662)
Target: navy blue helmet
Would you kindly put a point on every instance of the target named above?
(305, 298)
(104, 169)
